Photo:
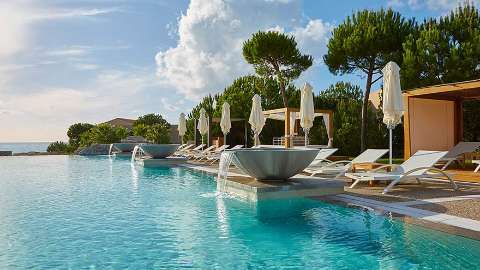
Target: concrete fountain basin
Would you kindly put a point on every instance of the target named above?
(124, 147)
(158, 150)
(269, 164)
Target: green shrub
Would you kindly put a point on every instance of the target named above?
(59, 147)
(140, 130)
(75, 131)
(158, 133)
(103, 134)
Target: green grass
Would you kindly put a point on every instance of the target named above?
(394, 161)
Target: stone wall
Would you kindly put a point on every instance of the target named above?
(93, 150)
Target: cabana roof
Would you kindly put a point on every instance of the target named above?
(279, 114)
(450, 91)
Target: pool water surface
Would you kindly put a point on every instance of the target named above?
(95, 213)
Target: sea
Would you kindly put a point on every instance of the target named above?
(24, 147)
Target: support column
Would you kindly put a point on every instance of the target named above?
(246, 133)
(458, 125)
(406, 128)
(287, 128)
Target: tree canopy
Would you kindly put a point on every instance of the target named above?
(275, 55)
(151, 119)
(103, 134)
(364, 43)
(75, 131)
(446, 49)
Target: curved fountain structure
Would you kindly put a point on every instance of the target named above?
(273, 163)
(158, 151)
(124, 147)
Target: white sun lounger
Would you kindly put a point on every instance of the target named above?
(417, 166)
(193, 151)
(339, 168)
(321, 159)
(215, 151)
(478, 165)
(183, 149)
(455, 153)
(215, 157)
(199, 154)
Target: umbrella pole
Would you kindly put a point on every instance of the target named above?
(224, 139)
(195, 132)
(306, 136)
(390, 141)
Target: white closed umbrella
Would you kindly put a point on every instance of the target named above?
(182, 125)
(225, 123)
(202, 123)
(307, 110)
(392, 99)
(257, 119)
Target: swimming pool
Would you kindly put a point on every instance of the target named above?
(78, 212)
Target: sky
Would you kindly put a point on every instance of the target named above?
(68, 61)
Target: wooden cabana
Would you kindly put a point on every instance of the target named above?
(285, 114)
(433, 118)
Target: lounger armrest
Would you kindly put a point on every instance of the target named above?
(335, 163)
(384, 167)
(320, 160)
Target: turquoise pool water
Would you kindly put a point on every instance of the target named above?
(96, 213)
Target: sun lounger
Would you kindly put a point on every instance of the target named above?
(191, 152)
(201, 153)
(321, 159)
(210, 153)
(339, 168)
(417, 167)
(457, 151)
(183, 149)
(216, 157)
(478, 165)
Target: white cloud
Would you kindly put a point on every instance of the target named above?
(313, 38)
(19, 16)
(53, 13)
(70, 51)
(435, 5)
(49, 111)
(85, 66)
(208, 55)
(14, 27)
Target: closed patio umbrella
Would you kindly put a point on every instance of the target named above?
(257, 119)
(307, 110)
(202, 123)
(225, 123)
(182, 125)
(392, 99)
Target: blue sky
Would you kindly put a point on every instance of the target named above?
(67, 61)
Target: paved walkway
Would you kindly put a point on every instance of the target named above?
(402, 208)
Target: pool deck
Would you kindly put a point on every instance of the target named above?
(245, 187)
(432, 204)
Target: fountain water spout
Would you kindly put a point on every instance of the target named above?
(110, 149)
(226, 159)
(136, 150)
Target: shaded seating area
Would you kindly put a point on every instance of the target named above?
(434, 120)
(291, 117)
